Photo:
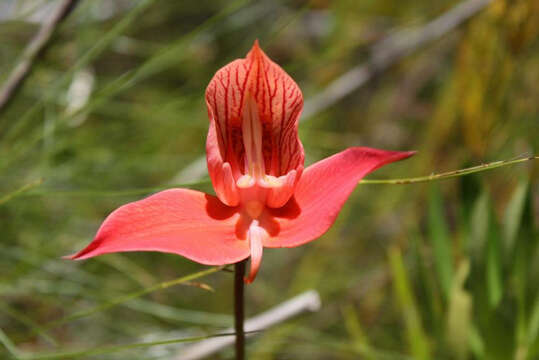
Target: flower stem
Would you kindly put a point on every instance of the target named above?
(239, 313)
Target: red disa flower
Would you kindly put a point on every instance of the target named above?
(265, 198)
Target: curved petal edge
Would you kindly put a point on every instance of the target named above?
(322, 191)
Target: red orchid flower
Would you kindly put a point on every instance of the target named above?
(265, 198)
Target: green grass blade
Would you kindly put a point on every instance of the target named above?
(459, 313)
(22, 318)
(533, 327)
(166, 58)
(20, 191)
(180, 315)
(526, 243)
(161, 286)
(479, 225)
(116, 348)
(129, 268)
(477, 345)
(493, 262)
(417, 338)
(359, 338)
(427, 280)
(513, 215)
(440, 240)
(102, 44)
(10, 347)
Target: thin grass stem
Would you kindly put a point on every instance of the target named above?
(449, 174)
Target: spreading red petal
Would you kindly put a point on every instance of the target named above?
(321, 193)
(180, 221)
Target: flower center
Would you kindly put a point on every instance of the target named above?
(253, 191)
(254, 208)
(252, 140)
(257, 188)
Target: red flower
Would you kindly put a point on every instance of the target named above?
(255, 160)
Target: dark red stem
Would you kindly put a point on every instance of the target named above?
(239, 313)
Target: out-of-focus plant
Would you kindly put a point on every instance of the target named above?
(453, 288)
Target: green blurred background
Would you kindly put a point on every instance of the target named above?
(114, 110)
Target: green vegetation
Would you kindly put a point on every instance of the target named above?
(439, 270)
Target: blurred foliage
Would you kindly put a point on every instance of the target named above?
(446, 270)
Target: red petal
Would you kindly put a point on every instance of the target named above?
(279, 103)
(220, 172)
(180, 221)
(256, 236)
(321, 193)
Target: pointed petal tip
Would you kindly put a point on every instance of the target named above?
(401, 155)
(383, 157)
(81, 255)
(255, 266)
(322, 191)
(256, 50)
(252, 273)
(256, 237)
(411, 152)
